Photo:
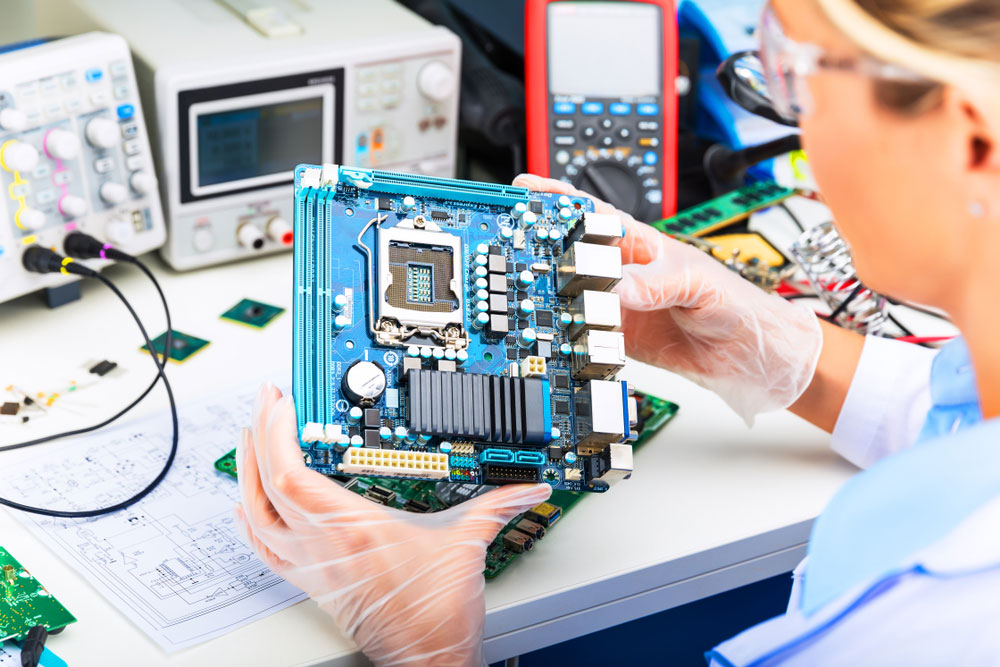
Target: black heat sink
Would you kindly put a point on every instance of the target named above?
(477, 407)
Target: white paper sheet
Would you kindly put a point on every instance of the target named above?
(174, 563)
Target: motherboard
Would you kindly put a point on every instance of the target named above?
(457, 331)
(523, 532)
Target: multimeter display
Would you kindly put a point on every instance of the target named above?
(600, 115)
(604, 48)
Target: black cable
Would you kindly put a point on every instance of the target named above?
(166, 352)
(798, 223)
(33, 645)
(843, 304)
(892, 318)
(70, 514)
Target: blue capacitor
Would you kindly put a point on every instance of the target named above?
(341, 322)
(482, 306)
(481, 260)
(449, 354)
(542, 235)
(357, 441)
(354, 415)
(525, 279)
(339, 302)
(480, 321)
(526, 307)
(529, 219)
(385, 434)
(569, 458)
(555, 433)
(506, 233)
(425, 352)
(438, 353)
(462, 356)
(565, 349)
(409, 203)
(400, 433)
(413, 351)
(565, 319)
(564, 201)
(520, 208)
(482, 295)
(555, 235)
(444, 447)
(481, 272)
(565, 214)
(526, 338)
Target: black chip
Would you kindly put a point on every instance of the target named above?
(497, 283)
(353, 431)
(512, 353)
(714, 212)
(103, 368)
(741, 201)
(562, 407)
(543, 318)
(512, 340)
(535, 206)
(9, 408)
(439, 215)
(461, 217)
(497, 264)
(544, 349)
(582, 409)
(525, 354)
(371, 419)
(561, 381)
(384, 204)
(496, 250)
(510, 267)
(555, 452)
(371, 438)
(520, 266)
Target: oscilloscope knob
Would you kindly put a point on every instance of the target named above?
(613, 182)
(31, 219)
(13, 120)
(436, 81)
(102, 133)
(113, 193)
(119, 231)
(142, 182)
(19, 156)
(61, 144)
(72, 206)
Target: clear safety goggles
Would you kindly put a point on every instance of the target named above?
(786, 63)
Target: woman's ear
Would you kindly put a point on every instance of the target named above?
(982, 127)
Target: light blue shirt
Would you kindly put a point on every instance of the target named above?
(890, 533)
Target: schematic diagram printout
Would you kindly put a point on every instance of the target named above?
(174, 563)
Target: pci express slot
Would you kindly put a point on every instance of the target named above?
(483, 408)
(430, 186)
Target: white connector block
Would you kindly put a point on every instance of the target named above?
(533, 367)
(394, 463)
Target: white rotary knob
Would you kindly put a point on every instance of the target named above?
(119, 231)
(13, 120)
(102, 133)
(19, 156)
(72, 206)
(31, 218)
(113, 193)
(62, 144)
(142, 182)
(436, 81)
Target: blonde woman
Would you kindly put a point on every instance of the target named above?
(899, 105)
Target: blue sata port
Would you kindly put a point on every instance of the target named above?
(530, 458)
(496, 456)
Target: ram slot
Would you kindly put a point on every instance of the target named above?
(298, 306)
(324, 312)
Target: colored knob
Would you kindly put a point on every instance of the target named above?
(203, 239)
(19, 156)
(13, 120)
(31, 218)
(61, 144)
(436, 81)
(119, 231)
(142, 182)
(113, 193)
(279, 231)
(72, 206)
(102, 132)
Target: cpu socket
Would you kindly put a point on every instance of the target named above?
(419, 286)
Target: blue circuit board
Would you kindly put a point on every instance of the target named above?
(441, 332)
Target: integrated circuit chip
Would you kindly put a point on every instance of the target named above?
(252, 313)
(182, 346)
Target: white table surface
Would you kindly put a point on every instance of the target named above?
(712, 505)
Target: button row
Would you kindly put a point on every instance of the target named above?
(615, 108)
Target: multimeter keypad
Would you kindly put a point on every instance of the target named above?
(611, 148)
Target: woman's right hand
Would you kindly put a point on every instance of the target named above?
(688, 313)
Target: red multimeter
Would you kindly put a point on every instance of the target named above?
(601, 99)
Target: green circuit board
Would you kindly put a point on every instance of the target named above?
(723, 211)
(427, 496)
(24, 602)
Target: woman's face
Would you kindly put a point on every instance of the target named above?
(893, 181)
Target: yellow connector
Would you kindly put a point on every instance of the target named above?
(394, 463)
(533, 367)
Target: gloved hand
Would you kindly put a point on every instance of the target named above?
(407, 588)
(686, 312)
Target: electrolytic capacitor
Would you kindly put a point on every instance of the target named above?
(339, 302)
(520, 208)
(525, 279)
(526, 307)
(564, 201)
(409, 203)
(526, 337)
(529, 219)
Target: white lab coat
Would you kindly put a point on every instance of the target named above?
(939, 605)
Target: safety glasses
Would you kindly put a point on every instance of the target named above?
(771, 82)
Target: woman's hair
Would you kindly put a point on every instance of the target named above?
(968, 28)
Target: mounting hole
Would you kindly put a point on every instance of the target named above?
(349, 345)
(348, 211)
(483, 226)
(488, 356)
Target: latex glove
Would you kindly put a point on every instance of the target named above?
(406, 587)
(687, 312)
